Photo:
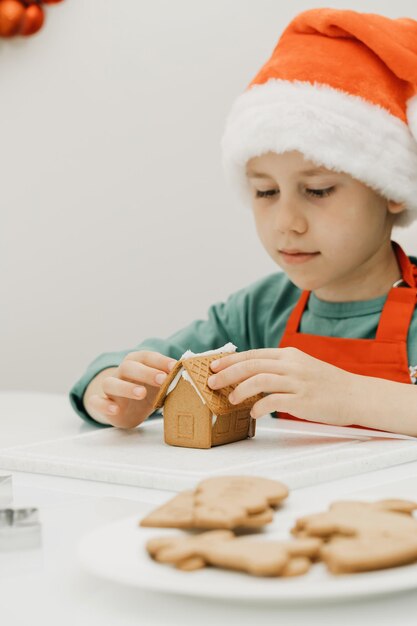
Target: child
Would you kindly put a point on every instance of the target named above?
(323, 145)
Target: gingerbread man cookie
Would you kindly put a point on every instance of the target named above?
(363, 536)
(221, 502)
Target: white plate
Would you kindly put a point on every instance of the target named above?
(117, 552)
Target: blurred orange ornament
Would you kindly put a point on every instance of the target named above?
(22, 17)
(12, 14)
(33, 19)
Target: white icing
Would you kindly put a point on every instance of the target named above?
(186, 375)
(174, 382)
(228, 347)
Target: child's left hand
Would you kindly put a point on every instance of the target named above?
(296, 383)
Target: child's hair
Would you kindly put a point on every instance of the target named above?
(340, 87)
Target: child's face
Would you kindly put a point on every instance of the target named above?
(339, 218)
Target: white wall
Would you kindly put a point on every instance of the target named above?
(117, 223)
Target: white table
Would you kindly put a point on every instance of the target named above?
(59, 591)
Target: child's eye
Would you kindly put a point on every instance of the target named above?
(320, 193)
(316, 193)
(265, 194)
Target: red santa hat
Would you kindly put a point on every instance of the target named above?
(340, 87)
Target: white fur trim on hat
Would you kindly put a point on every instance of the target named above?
(335, 129)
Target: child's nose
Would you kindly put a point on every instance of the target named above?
(289, 217)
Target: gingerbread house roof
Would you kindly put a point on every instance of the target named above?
(198, 369)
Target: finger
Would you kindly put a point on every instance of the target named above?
(237, 357)
(153, 359)
(239, 372)
(103, 406)
(137, 372)
(113, 386)
(261, 383)
(271, 403)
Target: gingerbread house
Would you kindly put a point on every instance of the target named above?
(196, 416)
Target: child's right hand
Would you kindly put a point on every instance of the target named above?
(111, 396)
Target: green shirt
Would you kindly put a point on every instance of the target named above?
(255, 317)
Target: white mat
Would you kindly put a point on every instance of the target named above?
(140, 457)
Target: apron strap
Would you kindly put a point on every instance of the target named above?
(408, 270)
(396, 315)
(294, 319)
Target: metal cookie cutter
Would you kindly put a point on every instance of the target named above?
(6, 491)
(20, 529)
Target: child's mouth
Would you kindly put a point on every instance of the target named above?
(297, 257)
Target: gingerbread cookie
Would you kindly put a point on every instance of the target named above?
(222, 549)
(396, 505)
(221, 502)
(264, 558)
(184, 551)
(363, 536)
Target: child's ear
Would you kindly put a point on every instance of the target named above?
(395, 207)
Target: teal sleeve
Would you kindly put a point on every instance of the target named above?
(226, 321)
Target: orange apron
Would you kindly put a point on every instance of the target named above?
(382, 357)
